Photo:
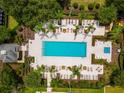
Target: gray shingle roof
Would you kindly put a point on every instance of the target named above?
(11, 52)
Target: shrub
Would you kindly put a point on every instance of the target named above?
(100, 83)
(76, 84)
(97, 6)
(81, 7)
(75, 5)
(106, 15)
(83, 15)
(74, 13)
(33, 79)
(91, 6)
(117, 78)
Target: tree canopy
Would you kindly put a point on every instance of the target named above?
(115, 34)
(4, 34)
(119, 4)
(107, 14)
(8, 79)
(29, 12)
(33, 79)
(64, 3)
(117, 78)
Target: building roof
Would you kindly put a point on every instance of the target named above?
(1, 16)
(9, 52)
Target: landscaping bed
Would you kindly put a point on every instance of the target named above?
(102, 38)
(87, 2)
(75, 84)
(97, 61)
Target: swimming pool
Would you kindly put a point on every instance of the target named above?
(66, 49)
(106, 49)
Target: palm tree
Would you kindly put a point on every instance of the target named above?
(117, 34)
(76, 71)
(44, 33)
(91, 28)
(41, 69)
(52, 28)
(52, 69)
(76, 31)
(59, 16)
(40, 28)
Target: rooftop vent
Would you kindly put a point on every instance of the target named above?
(3, 52)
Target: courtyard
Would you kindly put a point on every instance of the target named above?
(52, 49)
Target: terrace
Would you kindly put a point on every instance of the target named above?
(88, 72)
(66, 33)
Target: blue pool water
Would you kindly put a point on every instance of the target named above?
(66, 49)
(106, 49)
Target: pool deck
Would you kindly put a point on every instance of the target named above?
(35, 49)
(58, 61)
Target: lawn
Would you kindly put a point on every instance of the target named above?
(12, 23)
(114, 90)
(74, 90)
(32, 90)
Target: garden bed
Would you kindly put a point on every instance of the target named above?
(75, 84)
(102, 38)
(97, 61)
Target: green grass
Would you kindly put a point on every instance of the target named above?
(75, 90)
(114, 90)
(32, 90)
(88, 1)
(12, 23)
